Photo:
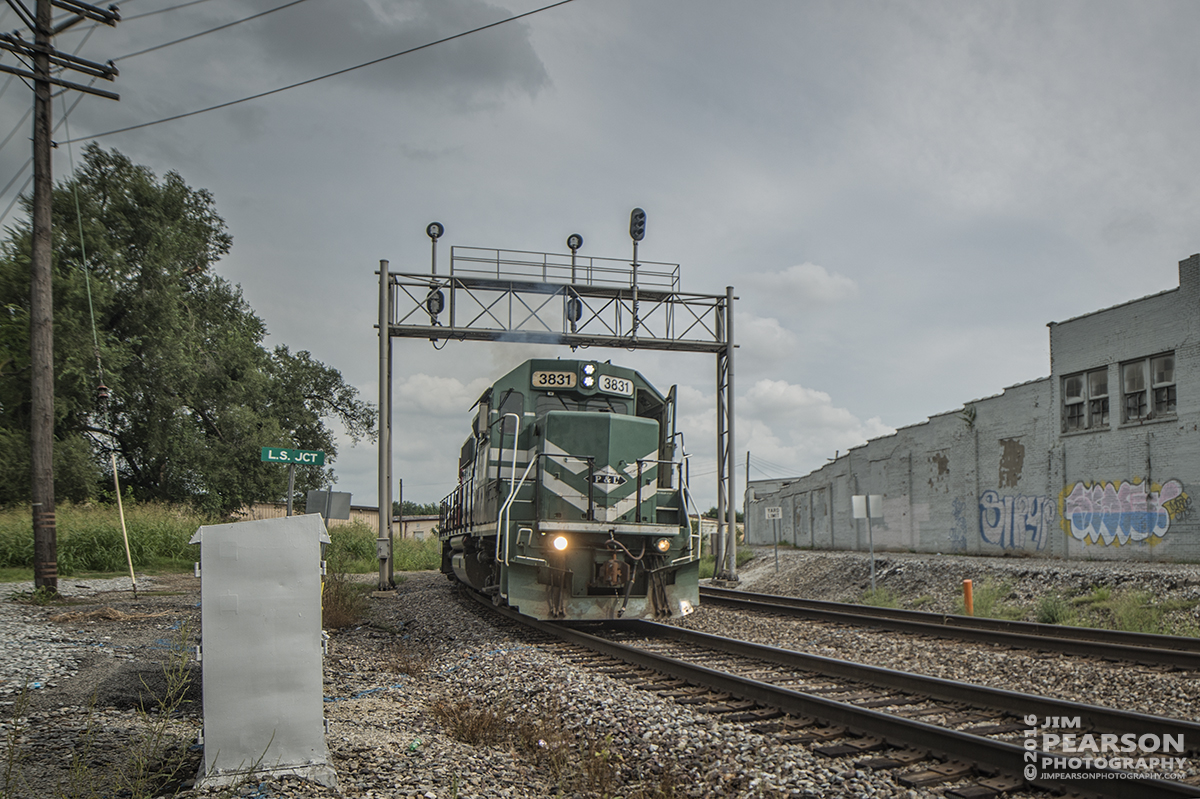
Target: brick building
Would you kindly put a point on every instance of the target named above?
(1095, 461)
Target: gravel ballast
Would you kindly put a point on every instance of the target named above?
(429, 659)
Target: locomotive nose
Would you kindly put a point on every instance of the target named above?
(594, 466)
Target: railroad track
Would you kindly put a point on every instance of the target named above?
(894, 719)
(1145, 648)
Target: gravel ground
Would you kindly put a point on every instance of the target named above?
(428, 661)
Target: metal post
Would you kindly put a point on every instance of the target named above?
(635, 290)
(385, 404)
(392, 537)
(871, 542)
(731, 555)
(292, 487)
(719, 570)
(775, 527)
(41, 318)
(746, 499)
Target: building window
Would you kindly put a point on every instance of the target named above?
(1098, 398)
(1085, 400)
(1162, 372)
(1148, 385)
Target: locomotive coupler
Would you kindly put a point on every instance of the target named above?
(612, 573)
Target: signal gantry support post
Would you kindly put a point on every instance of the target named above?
(385, 426)
(571, 300)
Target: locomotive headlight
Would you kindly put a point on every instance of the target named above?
(589, 381)
(559, 542)
(662, 544)
(589, 368)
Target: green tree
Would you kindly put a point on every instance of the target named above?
(194, 393)
(417, 509)
(711, 513)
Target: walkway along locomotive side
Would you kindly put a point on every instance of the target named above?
(571, 497)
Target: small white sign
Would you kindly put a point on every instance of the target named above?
(859, 503)
(774, 513)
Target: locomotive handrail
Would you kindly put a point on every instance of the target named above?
(695, 539)
(658, 462)
(502, 518)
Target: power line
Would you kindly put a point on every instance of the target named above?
(210, 30)
(29, 161)
(162, 10)
(320, 78)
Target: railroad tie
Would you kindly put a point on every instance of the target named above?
(983, 789)
(996, 729)
(901, 757)
(851, 747)
(943, 772)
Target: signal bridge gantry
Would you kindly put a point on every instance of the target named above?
(563, 299)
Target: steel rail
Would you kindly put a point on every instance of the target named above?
(1155, 650)
(952, 744)
(1000, 699)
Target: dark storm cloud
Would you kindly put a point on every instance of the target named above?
(323, 36)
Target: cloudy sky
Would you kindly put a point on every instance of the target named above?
(902, 194)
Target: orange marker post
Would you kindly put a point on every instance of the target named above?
(968, 600)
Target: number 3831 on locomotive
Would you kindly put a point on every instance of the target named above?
(571, 497)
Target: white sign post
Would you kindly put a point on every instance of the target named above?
(775, 514)
(868, 507)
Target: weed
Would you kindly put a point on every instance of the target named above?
(1099, 595)
(921, 601)
(708, 563)
(600, 766)
(1054, 609)
(153, 762)
(989, 601)
(353, 547)
(14, 754)
(343, 601)
(1135, 611)
(40, 596)
(402, 659)
(411, 555)
(471, 722)
(880, 598)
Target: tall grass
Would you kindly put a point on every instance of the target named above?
(708, 563)
(352, 550)
(89, 537)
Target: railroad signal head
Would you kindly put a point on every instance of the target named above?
(574, 242)
(435, 230)
(435, 302)
(637, 224)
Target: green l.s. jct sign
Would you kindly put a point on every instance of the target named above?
(301, 456)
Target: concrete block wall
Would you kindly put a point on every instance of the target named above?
(1001, 476)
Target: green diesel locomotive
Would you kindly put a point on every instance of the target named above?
(571, 497)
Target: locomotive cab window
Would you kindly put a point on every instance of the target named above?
(511, 401)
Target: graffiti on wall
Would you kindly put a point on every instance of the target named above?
(1020, 522)
(1117, 513)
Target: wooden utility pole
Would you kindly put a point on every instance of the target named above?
(41, 301)
(41, 320)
